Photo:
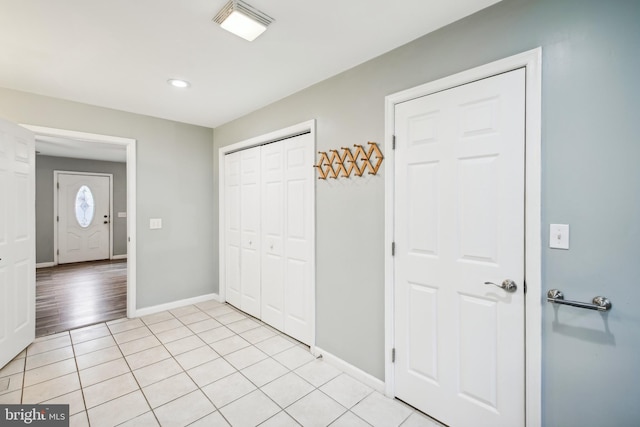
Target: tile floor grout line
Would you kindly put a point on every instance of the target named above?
(134, 378)
(259, 388)
(84, 400)
(185, 371)
(24, 374)
(236, 370)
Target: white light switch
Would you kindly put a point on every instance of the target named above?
(122, 214)
(155, 223)
(559, 236)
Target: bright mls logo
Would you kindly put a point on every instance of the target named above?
(34, 415)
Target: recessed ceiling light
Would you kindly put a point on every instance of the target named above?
(242, 19)
(182, 84)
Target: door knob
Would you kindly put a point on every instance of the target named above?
(507, 284)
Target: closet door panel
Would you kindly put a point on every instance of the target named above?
(232, 228)
(272, 235)
(298, 237)
(250, 231)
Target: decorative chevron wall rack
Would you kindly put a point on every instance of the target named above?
(335, 164)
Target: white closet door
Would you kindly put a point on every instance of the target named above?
(273, 219)
(232, 227)
(299, 229)
(250, 231)
(269, 228)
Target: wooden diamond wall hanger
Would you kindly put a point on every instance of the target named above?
(359, 161)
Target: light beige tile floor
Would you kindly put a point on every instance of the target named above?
(202, 365)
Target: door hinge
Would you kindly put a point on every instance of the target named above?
(525, 287)
(393, 144)
(57, 218)
(393, 355)
(393, 248)
(58, 185)
(58, 252)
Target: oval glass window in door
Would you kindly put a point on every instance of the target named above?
(85, 207)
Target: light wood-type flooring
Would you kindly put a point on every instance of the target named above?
(69, 296)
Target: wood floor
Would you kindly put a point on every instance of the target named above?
(69, 296)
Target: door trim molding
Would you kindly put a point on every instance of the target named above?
(291, 131)
(56, 175)
(130, 145)
(532, 62)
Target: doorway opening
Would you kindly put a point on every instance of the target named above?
(94, 280)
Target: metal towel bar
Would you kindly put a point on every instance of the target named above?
(598, 303)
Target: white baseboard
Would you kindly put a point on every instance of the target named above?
(45, 264)
(349, 369)
(123, 256)
(175, 304)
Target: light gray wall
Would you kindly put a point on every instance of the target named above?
(591, 180)
(45, 166)
(174, 172)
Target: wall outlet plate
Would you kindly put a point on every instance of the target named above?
(559, 236)
(155, 223)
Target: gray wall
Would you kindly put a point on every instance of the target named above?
(591, 181)
(174, 172)
(45, 166)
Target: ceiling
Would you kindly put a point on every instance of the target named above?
(120, 53)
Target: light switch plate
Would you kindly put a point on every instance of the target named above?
(155, 223)
(559, 236)
(122, 214)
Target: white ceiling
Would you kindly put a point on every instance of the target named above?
(119, 53)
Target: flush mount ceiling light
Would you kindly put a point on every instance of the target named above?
(242, 19)
(182, 84)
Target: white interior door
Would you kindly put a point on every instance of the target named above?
(459, 222)
(17, 240)
(250, 276)
(84, 206)
(299, 229)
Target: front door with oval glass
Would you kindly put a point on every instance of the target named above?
(83, 217)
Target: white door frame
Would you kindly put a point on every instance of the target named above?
(56, 174)
(531, 61)
(130, 145)
(291, 131)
